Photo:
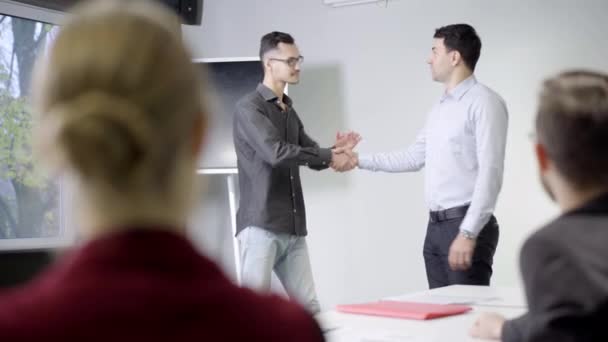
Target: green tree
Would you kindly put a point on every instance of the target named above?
(28, 200)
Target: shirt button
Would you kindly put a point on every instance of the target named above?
(291, 177)
(294, 210)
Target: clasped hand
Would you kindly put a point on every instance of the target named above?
(343, 157)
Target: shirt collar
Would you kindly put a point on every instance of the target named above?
(269, 95)
(596, 206)
(462, 88)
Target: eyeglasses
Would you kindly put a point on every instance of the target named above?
(291, 61)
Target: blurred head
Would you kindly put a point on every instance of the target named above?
(280, 57)
(454, 47)
(121, 112)
(572, 132)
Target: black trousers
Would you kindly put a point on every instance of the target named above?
(439, 237)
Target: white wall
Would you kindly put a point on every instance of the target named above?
(365, 70)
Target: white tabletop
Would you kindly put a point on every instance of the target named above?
(469, 294)
(342, 327)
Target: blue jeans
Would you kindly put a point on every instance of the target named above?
(263, 251)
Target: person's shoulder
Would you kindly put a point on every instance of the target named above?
(575, 234)
(253, 99)
(549, 241)
(21, 313)
(486, 94)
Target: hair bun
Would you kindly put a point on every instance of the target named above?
(103, 136)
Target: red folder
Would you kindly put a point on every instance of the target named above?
(406, 310)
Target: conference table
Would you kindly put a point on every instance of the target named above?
(342, 327)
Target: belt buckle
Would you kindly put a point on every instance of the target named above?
(442, 215)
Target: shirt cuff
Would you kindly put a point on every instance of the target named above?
(470, 232)
(512, 329)
(325, 155)
(474, 223)
(366, 162)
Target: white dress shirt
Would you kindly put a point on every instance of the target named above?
(462, 146)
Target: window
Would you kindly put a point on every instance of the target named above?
(30, 202)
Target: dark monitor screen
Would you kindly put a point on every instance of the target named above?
(230, 80)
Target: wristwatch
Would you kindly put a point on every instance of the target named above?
(468, 235)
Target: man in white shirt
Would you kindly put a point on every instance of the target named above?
(462, 146)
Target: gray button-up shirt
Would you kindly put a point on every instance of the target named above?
(270, 146)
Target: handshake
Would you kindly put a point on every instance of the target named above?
(343, 158)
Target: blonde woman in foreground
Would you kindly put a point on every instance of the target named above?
(123, 117)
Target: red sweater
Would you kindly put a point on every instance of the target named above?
(145, 285)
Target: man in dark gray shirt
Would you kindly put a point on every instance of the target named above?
(271, 145)
(564, 265)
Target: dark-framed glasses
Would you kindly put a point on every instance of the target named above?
(291, 61)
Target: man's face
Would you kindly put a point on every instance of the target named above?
(547, 187)
(441, 61)
(283, 63)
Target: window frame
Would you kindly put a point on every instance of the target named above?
(67, 233)
(24, 11)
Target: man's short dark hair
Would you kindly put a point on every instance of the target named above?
(271, 40)
(462, 38)
(572, 125)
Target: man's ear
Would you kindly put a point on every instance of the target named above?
(456, 58)
(266, 64)
(542, 157)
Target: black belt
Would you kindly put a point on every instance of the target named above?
(448, 214)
